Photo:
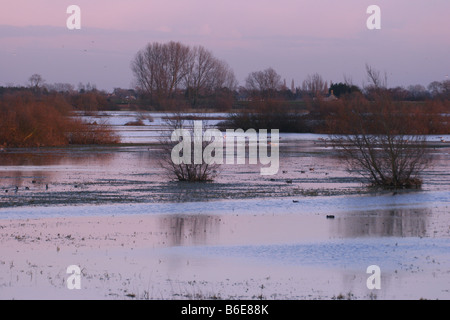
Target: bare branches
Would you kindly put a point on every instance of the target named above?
(375, 78)
(188, 171)
(207, 74)
(36, 81)
(161, 70)
(381, 141)
(315, 85)
(264, 83)
(440, 89)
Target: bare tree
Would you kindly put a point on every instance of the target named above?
(225, 85)
(446, 89)
(380, 140)
(225, 77)
(264, 83)
(348, 80)
(207, 74)
(159, 69)
(440, 89)
(377, 83)
(61, 87)
(417, 92)
(315, 85)
(201, 73)
(162, 70)
(36, 81)
(375, 78)
(186, 171)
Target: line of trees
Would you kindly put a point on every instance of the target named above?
(173, 75)
(86, 98)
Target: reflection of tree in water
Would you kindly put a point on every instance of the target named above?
(386, 223)
(186, 191)
(50, 157)
(27, 158)
(190, 229)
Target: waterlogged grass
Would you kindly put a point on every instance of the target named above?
(65, 198)
(119, 192)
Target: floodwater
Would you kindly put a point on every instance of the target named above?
(130, 174)
(245, 230)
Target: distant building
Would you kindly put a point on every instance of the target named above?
(331, 97)
(125, 94)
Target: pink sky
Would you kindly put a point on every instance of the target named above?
(295, 37)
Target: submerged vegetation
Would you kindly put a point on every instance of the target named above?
(189, 171)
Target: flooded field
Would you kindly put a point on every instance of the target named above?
(130, 173)
(113, 211)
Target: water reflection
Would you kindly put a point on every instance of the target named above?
(185, 230)
(231, 230)
(21, 167)
(383, 223)
(55, 156)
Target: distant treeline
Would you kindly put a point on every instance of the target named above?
(177, 76)
(327, 116)
(206, 83)
(88, 98)
(83, 100)
(44, 116)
